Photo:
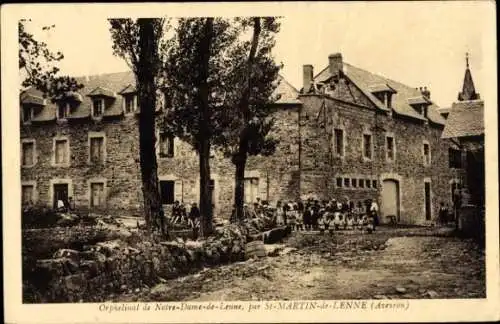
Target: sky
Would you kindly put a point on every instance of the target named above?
(418, 44)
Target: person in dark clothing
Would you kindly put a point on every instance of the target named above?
(194, 218)
(443, 213)
(162, 221)
(315, 214)
(176, 215)
(194, 213)
(351, 206)
(300, 206)
(306, 217)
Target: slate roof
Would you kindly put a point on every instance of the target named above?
(102, 92)
(287, 94)
(33, 99)
(102, 84)
(129, 89)
(382, 87)
(364, 80)
(112, 86)
(419, 100)
(466, 118)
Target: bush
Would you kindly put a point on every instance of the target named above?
(39, 217)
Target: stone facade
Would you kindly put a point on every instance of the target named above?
(305, 163)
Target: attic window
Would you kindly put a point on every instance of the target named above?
(62, 110)
(27, 115)
(130, 103)
(383, 92)
(97, 107)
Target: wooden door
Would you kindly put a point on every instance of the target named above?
(390, 200)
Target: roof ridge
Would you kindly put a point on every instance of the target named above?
(88, 76)
(382, 76)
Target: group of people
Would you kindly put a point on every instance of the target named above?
(324, 215)
(328, 215)
(181, 215)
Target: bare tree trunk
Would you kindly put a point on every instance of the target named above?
(240, 162)
(241, 157)
(145, 76)
(204, 133)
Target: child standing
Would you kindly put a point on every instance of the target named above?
(280, 218)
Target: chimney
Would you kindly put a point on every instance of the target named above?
(307, 77)
(335, 63)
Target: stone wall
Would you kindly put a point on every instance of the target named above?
(120, 171)
(321, 166)
(303, 164)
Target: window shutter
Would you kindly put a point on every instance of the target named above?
(178, 190)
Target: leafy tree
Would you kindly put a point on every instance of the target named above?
(255, 77)
(37, 63)
(220, 88)
(138, 43)
(192, 57)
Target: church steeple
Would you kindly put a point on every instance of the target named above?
(468, 90)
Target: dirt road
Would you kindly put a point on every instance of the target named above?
(382, 265)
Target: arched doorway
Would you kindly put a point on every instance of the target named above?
(390, 204)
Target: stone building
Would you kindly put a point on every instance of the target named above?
(465, 130)
(348, 132)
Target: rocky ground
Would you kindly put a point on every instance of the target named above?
(390, 263)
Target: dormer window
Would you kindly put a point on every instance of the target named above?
(99, 96)
(97, 107)
(29, 105)
(420, 104)
(27, 114)
(130, 103)
(62, 110)
(383, 92)
(129, 99)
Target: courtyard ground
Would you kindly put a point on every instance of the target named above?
(390, 263)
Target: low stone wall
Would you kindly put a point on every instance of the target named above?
(88, 264)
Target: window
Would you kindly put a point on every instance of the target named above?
(62, 110)
(251, 188)
(61, 151)
(427, 200)
(28, 153)
(97, 197)
(166, 145)
(361, 183)
(130, 103)
(427, 153)
(27, 194)
(389, 100)
(97, 108)
(374, 184)
(367, 146)
(368, 183)
(389, 148)
(347, 182)
(27, 113)
(354, 182)
(339, 142)
(339, 182)
(167, 192)
(455, 158)
(97, 149)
